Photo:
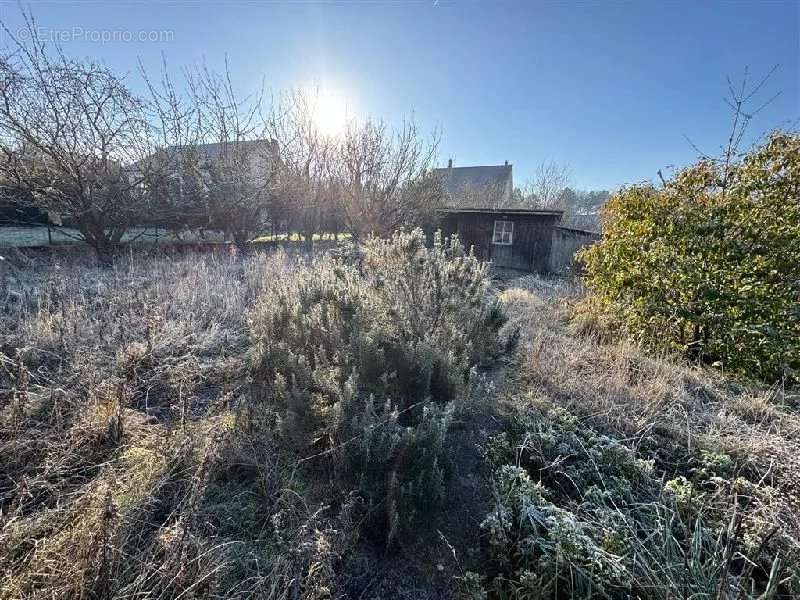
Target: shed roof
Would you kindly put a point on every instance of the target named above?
(505, 211)
(587, 232)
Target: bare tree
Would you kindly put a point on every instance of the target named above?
(304, 176)
(234, 167)
(386, 177)
(176, 193)
(69, 132)
(744, 105)
(546, 189)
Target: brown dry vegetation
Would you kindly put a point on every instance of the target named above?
(651, 400)
(726, 449)
(115, 383)
(143, 456)
(130, 465)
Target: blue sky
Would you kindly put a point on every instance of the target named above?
(611, 89)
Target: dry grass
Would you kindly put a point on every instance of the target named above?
(129, 466)
(623, 390)
(661, 407)
(126, 470)
(118, 394)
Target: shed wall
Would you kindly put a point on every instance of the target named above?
(566, 243)
(531, 242)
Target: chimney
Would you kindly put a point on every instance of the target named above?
(506, 163)
(450, 163)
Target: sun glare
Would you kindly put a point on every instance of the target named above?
(331, 112)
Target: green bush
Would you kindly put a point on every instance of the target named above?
(709, 264)
(365, 362)
(539, 548)
(578, 515)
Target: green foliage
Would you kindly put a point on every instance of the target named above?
(559, 489)
(709, 265)
(578, 515)
(366, 362)
(564, 455)
(538, 547)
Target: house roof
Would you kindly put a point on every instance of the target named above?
(504, 211)
(205, 151)
(482, 185)
(214, 149)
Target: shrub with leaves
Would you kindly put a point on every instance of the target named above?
(366, 363)
(539, 547)
(709, 264)
(578, 514)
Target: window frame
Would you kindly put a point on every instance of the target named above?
(504, 230)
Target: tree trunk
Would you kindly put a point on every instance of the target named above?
(240, 238)
(104, 250)
(100, 242)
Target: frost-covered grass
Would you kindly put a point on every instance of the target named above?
(623, 474)
(228, 425)
(25, 237)
(116, 433)
(196, 426)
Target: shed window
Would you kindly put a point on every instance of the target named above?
(503, 233)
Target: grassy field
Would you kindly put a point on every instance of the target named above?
(22, 237)
(296, 237)
(236, 426)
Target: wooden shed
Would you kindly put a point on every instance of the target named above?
(514, 238)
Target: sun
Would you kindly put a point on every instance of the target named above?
(331, 112)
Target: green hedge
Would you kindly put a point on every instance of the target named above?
(709, 264)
